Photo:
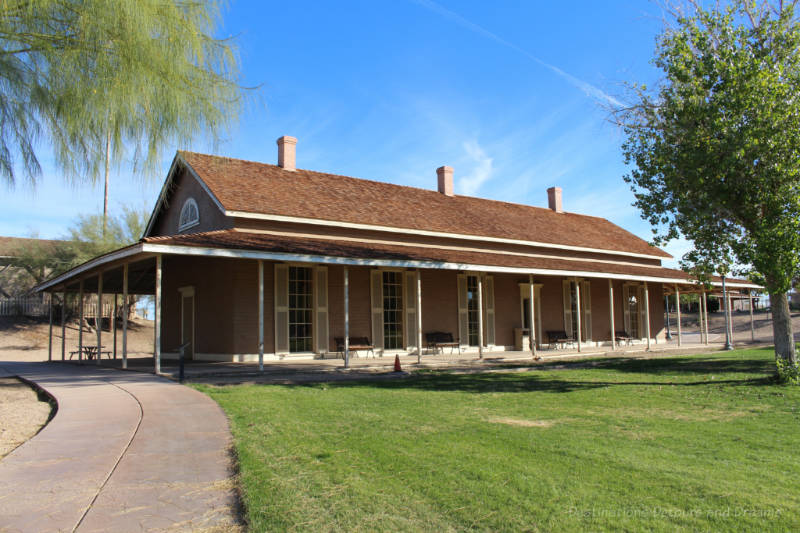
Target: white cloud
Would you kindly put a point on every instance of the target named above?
(481, 169)
(587, 88)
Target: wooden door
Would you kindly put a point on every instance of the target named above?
(187, 324)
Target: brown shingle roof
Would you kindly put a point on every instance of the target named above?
(240, 240)
(268, 189)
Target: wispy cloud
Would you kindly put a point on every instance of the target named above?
(481, 170)
(587, 88)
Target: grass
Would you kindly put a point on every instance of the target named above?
(705, 442)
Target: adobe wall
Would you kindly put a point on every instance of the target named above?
(226, 305)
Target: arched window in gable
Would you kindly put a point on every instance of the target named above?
(190, 215)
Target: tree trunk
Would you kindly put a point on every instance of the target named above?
(782, 333)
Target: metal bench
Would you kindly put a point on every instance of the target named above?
(559, 338)
(622, 336)
(439, 340)
(354, 344)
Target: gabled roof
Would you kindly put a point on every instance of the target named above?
(259, 190)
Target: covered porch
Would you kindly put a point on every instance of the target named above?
(244, 306)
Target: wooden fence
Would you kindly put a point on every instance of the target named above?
(36, 306)
(39, 306)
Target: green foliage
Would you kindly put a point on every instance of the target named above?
(144, 74)
(84, 241)
(788, 372)
(663, 444)
(715, 148)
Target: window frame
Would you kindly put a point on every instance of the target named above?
(190, 202)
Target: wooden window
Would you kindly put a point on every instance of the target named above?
(472, 310)
(301, 309)
(190, 215)
(633, 310)
(571, 309)
(392, 310)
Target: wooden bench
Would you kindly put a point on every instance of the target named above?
(439, 340)
(622, 336)
(354, 344)
(559, 338)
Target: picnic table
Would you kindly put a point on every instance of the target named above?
(91, 351)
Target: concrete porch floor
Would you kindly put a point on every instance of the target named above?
(320, 370)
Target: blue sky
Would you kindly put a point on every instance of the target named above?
(509, 93)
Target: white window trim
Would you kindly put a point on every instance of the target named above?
(189, 201)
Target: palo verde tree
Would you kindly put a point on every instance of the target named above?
(103, 80)
(715, 147)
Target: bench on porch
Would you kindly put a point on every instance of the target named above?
(439, 340)
(354, 344)
(559, 338)
(622, 336)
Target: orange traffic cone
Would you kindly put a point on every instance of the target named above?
(397, 367)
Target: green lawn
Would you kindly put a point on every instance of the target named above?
(690, 443)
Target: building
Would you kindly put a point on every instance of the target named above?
(252, 260)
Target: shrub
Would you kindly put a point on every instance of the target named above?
(788, 373)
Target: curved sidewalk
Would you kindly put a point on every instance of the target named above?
(125, 452)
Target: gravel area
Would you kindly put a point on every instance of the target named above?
(22, 413)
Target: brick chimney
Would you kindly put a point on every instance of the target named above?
(554, 199)
(286, 152)
(445, 175)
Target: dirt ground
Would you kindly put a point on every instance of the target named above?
(22, 413)
(25, 339)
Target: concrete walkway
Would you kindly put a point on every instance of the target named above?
(125, 452)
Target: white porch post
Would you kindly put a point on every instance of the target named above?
(125, 315)
(578, 311)
(50, 336)
(666, 313)
(64, 324)
(346, 318)
(752, 323)
(80, 322)
(647, 313)
(728, 329)
(114, 323)
(531, 311)
(700, 315)
(611, 314)
(260, 315)
(678, 309)
(419, 316)
(480, 316)
(705, 316)
(98, 319)
(157, 318)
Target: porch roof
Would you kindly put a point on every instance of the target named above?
(282, 247)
